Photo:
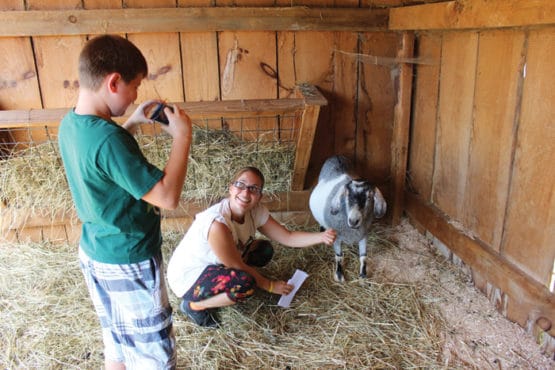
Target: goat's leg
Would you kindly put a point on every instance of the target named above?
(362, 257)
(338, 274)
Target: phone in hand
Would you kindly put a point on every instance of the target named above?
(158, 114)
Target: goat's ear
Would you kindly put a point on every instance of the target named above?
(335, 204)
(380, 206)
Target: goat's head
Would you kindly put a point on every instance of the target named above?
(363, 202)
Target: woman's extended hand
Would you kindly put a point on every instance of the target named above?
(328, 236)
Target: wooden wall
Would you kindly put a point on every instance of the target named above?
(38, 69)
(482, 148)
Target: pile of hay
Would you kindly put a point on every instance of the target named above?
(217, 154)
(34, 180)
(48, 319)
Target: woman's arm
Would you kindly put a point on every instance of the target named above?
(276, 231)
(221, 242)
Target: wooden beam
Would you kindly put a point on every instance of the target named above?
(521, 289)
(132, 20)
(196, 110)
(307, 95)
(473, 14)
(309, 120)
(15, 219)
(401, 127)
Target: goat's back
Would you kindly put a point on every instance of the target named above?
(334, 167)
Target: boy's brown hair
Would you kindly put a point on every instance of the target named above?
(107, 54)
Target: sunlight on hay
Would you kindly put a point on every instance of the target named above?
(48, 319)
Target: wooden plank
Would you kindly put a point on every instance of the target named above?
(308, 57)
(304, 146)
(499, 69)
(247, 71)
(54, 234)
(245, 2)
(314, 100)
(20, 220)
(305, 57)
(458, 70)
(343, 114)
(59, 87)
(101, 4)
(162, 52)
(196, 110)
(241, 56)
(401, 127)
(522, 290)
(530, 226)
(383, 3)
(18, 75)
(319, 3)
(376, 101)
(129, 20)
(473, 14)
(424, 120)
(199, 53)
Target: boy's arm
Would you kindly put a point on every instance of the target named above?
(167, 192)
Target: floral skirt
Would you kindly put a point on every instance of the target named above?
(237, 284)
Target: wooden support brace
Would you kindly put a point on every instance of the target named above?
(526, 295)
(313, 101)
(401, 127)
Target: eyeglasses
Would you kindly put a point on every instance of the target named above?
(254, 189)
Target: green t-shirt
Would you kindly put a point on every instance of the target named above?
(108, 175)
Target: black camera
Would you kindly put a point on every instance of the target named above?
(158, 114)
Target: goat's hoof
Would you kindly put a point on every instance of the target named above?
(339, 278)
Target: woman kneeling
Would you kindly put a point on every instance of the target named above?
(214, 265)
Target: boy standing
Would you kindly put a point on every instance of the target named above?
(117, 194)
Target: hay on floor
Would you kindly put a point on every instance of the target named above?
(48, 319)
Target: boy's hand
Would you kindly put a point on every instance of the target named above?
(139, 116)
(179, 122)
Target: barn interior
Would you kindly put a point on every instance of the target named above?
(447, 106)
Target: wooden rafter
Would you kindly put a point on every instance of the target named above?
(100, 21)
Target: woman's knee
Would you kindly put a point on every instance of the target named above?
(260, 253)
(244, 286)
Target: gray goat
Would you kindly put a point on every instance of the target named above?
(348, 204)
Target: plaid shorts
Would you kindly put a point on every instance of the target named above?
(132, 304)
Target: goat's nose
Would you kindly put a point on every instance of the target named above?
(354, 223)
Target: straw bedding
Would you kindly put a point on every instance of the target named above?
(49, 322)
(413, 311)
(33, 178)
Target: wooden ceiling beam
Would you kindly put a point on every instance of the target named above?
(101, 21)
(473, 14)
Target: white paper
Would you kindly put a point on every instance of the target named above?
(296, 280)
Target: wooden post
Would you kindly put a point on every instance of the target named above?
(313, 101)
(401, 128)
